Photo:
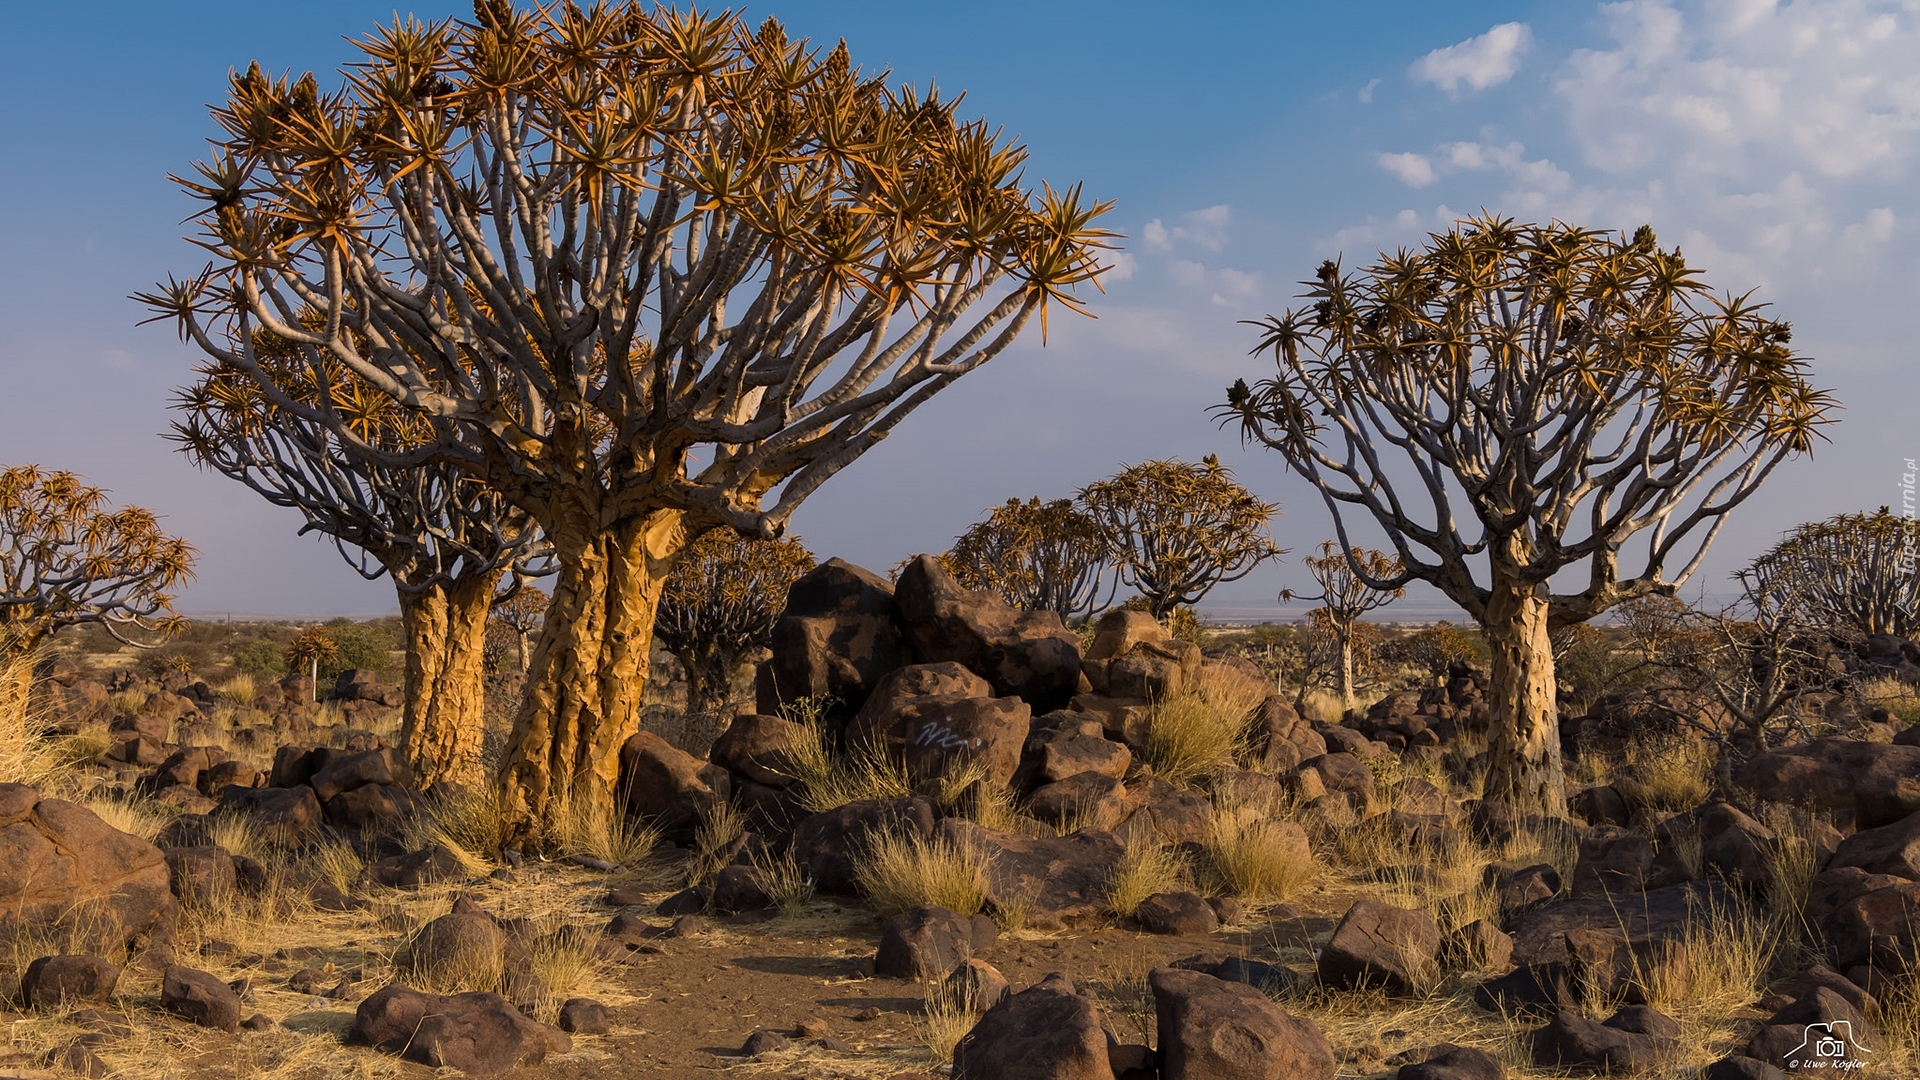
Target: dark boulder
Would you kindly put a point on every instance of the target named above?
(1377, 944)
(200, 998)
(1046, 1032)
(52, 981)
(1027, 654)
(828, 845)
(1211, 1029)
(924, 943)
(480, 1034)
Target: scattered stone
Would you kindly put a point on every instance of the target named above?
(1176, 913)
(668, 786)
(1377, 944)
(52, 981)
(757, 747)
(257, 1022)
(584, 1016)
(200, 998)
(1617, 1045)
(1084, 800)
(286, 815)
(416, 868)
(1536, 989)
(764, 1041)
(1058, 881)
(1046, 1032)
(828, 845)
(1740, 1067)
(977, 986)
(202, 876)
(1449, 1062)
(1890, 849)
(1026, 654)
(480, 1034)
(923, 943)
(1211, 1029)
(1782, 1039)
(737, 889)
(1880, 928)
(1517, 889)
(345, 772)
(78, 1059)
(1481, 946)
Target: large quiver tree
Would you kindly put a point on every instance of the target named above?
(1567, 389)
(442, 537)
(721, 602)
(67, 560)
(1853, 573)
(647, 273)
(1174, 529)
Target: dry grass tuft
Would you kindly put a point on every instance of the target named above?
(1258, 860)
(563, 956)
(468, 822)
(623, 841)
(136, 816)
(829, 780)
(1144, 870)
(1323, 706)
(719, 827)
(903, 872)
(241, 690)
(335, 862)
(1674, 772)
(944, 1020)
(783, 880)
(1200, 730)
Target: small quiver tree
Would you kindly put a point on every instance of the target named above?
(1174, 530)
(442, 537)
(1568, 389)
(645, 273)
(1038, 556)
(66, 559)
(519, 612)
(310, 650)
(1345, 596)
(721, 601)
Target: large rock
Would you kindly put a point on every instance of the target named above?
(458, 943)
(758, 748)
(1377, 944)
(938, 736)
(835, 639)
(1880, 783)
(1211, 1029)
(344, 772)
(1783, 1039)
(370, 807)
(1180, 912)
(1154, 670)
(1056, 881)
(52, 981)
(1282, 737)
(480, 1034)
(1632, 1040)
(285, 815)
(202, 876)
(976, 985)
(924, 943)
(1046, 1032)
(200, 998)
(1450, 1062)
(1028, 654)
(1084, 800)
(669, 786)
(1061, 759)
(1881, 928)
(1612, 863)
(67, 875)
(1733, 846)
(830, 844)
(1890, 849)
(1119, 630)
(877, 718)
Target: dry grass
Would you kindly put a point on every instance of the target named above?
(335, 862)
(1675, 772)
(1899, 1022)
(830, 780)
(469, 822)
(903, 872)
(1722, 963)
(128, 702)
(719, 827)
(943, 1021)
(971, 793)
(563, 956)
(783, 880)
(1322, 705)
(1256, 860)
(616, 838)
(1144, 870)
(241, 690)
(136, 816)
(1200, 730)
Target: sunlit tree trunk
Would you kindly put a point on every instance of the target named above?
(16, 687)
(588, 671)
(446, 631)
(1347, 699)
(1524, 766)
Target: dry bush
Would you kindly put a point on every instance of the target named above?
(1724, 956)
(1255, 861)
(971, 793)
(564, 957)
(128, 702)
(1322, 705)
(467, 821)
(335, 862)
(625, 842)
(784, 881)
(719, 827)
(236, 833)
(1675, 772)
(241, 690)
(899, 873)
(129, 815)
(1898, 1019)
(1145, 869)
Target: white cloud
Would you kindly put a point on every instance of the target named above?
(1476, 63)
(1122, 264)
(1205, 229)
(1414, 170)
(1366, 92)
(1189, 273)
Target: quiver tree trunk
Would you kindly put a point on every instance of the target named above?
(709, 677)
(19, 645)
(446, 630)
(1348, 701)
(588, 671)
(1523, 760)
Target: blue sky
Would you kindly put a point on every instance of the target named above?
(1243, 143)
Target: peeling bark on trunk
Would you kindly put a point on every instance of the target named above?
(709, 678)
(1348, 702)
(446, 630)
(1524, 759)
(16, 686)
(588, 671)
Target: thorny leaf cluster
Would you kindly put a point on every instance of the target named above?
(665, 259)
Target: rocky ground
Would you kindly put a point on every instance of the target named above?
(956, 838)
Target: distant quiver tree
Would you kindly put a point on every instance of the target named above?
(1552, 391)
(721, 602)
(1039, 556)
(66, 559)
(1344, 597)
(1853, 573)
(441, 536)
(1175, 529)
(645, 273)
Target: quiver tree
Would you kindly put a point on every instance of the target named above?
(1039, 556)
(1567, 389)
(311, 649)
(1854, 573)
(68, 560)
(1345, 596)
(1174, 530)
(442, 537)
(720, 602)
(520, 611)
(646, 273)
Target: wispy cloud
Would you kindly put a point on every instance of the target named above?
(1206, 229)
(1414, 170)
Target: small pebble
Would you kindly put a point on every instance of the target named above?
(867, 1014)
(257, 1022)
(764, 1041)
(813, 1027)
